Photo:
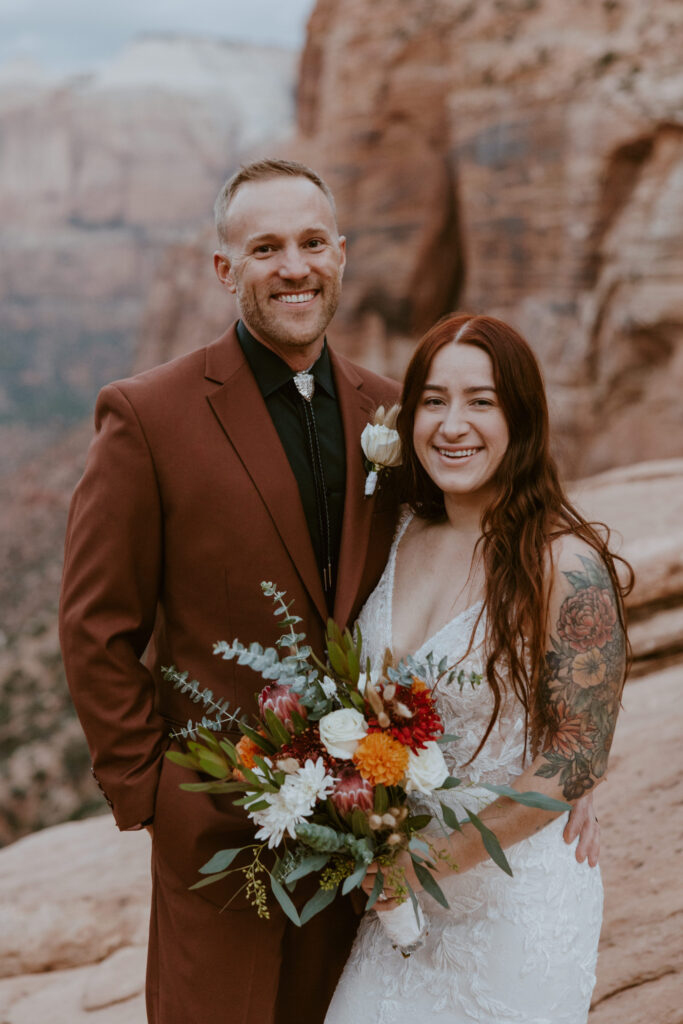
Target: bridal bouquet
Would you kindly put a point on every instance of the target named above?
(324, 770)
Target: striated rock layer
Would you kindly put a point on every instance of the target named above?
(517, 157)
(524, 159)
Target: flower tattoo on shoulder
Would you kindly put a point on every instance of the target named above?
(581, 688)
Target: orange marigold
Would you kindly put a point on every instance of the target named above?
(246, 749)
(419, 685)
(381, 759)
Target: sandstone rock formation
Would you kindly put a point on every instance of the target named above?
(101, 173)
(74, 898)
(74, 911)
(520, 157)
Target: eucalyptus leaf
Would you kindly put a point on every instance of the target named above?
(417, 822)
(377, 888)
(354, 880)
(219, 862)
(491, 844)
(316, 862)
(209, 880)
(429, 883)
(529, 798)
(284, 901)
(447, 737)
(322, 899)
(418, 846)
(449, 783)
(207, 787)
(449, 817)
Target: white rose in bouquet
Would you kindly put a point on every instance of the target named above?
(341, 731)
(426, 769)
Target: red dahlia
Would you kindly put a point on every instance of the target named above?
(424, 726)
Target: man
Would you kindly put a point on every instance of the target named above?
(206, 476)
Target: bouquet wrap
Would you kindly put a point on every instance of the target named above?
(405, 926)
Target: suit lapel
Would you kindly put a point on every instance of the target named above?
(239, 407)
(357, 409)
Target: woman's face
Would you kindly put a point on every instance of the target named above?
(459, 431)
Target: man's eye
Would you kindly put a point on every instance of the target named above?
(262, 250)
(314, 243)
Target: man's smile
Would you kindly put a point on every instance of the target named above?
(294, 298)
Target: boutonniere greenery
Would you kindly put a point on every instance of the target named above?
(381, 445)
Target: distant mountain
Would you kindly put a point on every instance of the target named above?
(98, 175)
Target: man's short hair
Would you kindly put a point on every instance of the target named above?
(262, 170)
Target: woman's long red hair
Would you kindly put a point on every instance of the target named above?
(530, 508)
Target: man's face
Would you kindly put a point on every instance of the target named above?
(284, 262)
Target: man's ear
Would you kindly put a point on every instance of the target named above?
(223, 268)
(342, 246)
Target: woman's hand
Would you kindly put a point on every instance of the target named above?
(386, 899)
(583, 823)
(404, 863)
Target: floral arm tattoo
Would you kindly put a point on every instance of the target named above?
(581, 688)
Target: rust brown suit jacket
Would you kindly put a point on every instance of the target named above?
(187, 503)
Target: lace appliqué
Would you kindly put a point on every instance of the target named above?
(518, 950)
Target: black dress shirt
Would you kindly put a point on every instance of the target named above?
(276, 383)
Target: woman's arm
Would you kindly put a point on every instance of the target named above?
(579, 697)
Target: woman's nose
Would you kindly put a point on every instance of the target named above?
(454, 423)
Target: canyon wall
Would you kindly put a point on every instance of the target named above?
(519, 157)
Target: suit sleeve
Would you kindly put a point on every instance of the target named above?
(112, 574)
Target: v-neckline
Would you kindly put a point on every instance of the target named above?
(390, 602)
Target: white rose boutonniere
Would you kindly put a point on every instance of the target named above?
(381, 445)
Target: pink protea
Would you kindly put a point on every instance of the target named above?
(282, 701)
(352, 790)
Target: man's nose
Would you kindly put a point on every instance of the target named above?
(294, 263)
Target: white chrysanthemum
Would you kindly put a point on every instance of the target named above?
(293, 802)
(312, 782)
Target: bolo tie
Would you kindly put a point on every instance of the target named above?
(304, 383)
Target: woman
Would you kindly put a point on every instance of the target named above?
(493, 568)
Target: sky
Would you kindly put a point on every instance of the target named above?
(66, 36)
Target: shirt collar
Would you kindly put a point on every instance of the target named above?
(272, 372)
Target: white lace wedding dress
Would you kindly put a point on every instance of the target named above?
(518, 950)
